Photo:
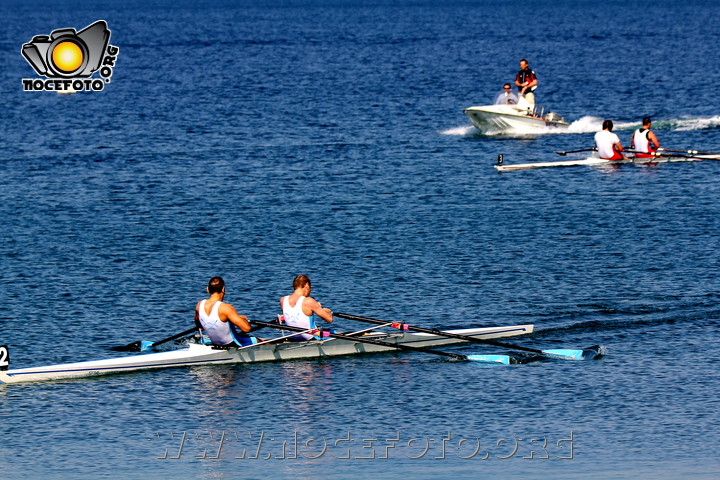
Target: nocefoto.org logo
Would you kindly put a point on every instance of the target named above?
(68, 59)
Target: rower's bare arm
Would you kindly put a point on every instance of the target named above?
(654, 140)
(197, 316)
(231, 315)
(318, 309)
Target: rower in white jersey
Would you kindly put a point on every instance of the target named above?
(608, 144)
(220, 321)
(299, 309)
(644, 141)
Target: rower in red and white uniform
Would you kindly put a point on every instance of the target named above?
(607, 143)
(299, 309)
(644, 141)
(220, 321)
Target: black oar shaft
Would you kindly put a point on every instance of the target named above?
(576, 151)
(136, 346)
(366, 340)
(435, 331)
(181, 334)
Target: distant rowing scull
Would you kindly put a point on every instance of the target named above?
(595, 161)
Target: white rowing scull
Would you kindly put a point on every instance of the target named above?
(195, 354)
(595, 161)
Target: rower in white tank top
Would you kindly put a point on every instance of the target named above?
(295, 317)
(642, 144)
(644, 141)
(305, 308)
(221, 325)
(218, 331)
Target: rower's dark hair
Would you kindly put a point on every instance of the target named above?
(608, 125)
(300, 281)
(216, 285)
(646, 120)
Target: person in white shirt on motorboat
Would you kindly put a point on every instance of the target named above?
(608, 144)
(506, 97)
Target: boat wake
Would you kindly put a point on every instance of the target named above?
(460, 131)
(594, 124)
(584, 125)
(686, 124)
(590, 124)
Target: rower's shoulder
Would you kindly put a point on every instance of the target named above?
(309, 301)
(225, 306)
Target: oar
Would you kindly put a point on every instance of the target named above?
(654, 154)
(589, 352)
(309, 330)
(576, 151)
(273, 340)
(691, 152)
(504, 359)
(660, 154)
(144, 345)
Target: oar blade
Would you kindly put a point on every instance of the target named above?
(130, 347)
(494, 359)
(569, 354)
(146, 345)
(564, 353)
(596, 351)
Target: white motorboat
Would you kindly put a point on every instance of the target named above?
(522, 118)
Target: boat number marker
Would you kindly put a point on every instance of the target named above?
(4, 357)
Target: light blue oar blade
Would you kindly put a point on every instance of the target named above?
(145, 346)
(565, 354)
(500, 359)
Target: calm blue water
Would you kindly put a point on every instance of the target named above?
(257, 142)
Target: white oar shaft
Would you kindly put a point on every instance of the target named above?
(369, 329)
(276, 339)
(690, 152)
(308, 331)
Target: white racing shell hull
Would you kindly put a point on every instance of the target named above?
(509, 119)
(195, 354)
(595, 161)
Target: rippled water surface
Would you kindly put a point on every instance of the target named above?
(257, 142)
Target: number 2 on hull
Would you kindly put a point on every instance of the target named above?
(4, 357)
